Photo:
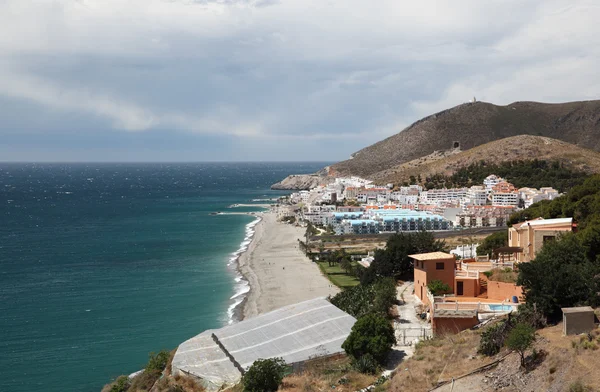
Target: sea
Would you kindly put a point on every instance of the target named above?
(101, 264)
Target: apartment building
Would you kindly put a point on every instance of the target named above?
(433, 196)
(484, 216)
(476, 195)
(504, 194)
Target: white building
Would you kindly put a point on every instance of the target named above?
(434, 196)
(476, 196)
(505, 199)
(532, 195)
(492, 180)
(465, 251)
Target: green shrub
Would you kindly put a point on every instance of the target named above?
(121, 384)
(265, 375)
(157, 361)
(437, 287)
(493, 337)
(372, 334)
(365, 364)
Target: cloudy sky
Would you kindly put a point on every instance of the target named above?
(271, 80)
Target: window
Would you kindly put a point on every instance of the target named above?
(548, 238)
(439, 266)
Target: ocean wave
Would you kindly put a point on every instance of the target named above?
(241, 287)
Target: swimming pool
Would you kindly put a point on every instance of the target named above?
(501, 308)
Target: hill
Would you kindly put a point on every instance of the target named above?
(560, 363)
(469, 125)
(514, 148)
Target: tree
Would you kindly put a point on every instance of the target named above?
(346, 265)
(394, 260)
(265, 375)
(560, 276)
(437, 287)
(360, 300)
(520, 339)
(372, 334)
(493, 241)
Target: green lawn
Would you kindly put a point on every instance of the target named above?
(338, 276)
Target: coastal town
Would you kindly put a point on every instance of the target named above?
(357, 206)
(430, 294)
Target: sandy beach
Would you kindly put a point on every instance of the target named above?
(278, 272)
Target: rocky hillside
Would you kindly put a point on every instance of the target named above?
(301, 182)
(522, 147)
(470, 125)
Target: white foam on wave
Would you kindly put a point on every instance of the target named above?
(242, 287)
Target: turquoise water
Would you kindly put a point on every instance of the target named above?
(102, 263)
(502, 308)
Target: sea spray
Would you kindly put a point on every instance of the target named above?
(242, 287)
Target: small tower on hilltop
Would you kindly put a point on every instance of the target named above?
(474, 100)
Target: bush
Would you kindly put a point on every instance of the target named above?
(365, 364)
(492, 338)
(265, 375)
(372, 334)
(437, 287)
(121, 384)
(157, 362)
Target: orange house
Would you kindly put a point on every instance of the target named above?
(432, 266)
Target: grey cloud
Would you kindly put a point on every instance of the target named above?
(281, 71)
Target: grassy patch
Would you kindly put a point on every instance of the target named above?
(338, 276)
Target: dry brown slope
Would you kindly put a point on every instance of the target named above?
(563, 362)
(474, 124)
(523, 147)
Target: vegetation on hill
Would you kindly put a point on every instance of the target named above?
(470, 125)
(445, 164)
(156, 376)
(533, 173)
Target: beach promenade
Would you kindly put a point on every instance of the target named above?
(278, 272)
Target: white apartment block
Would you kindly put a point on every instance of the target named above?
(505, 199)
(433, 196)
(476, 196)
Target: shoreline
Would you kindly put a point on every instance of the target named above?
(275, 271)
